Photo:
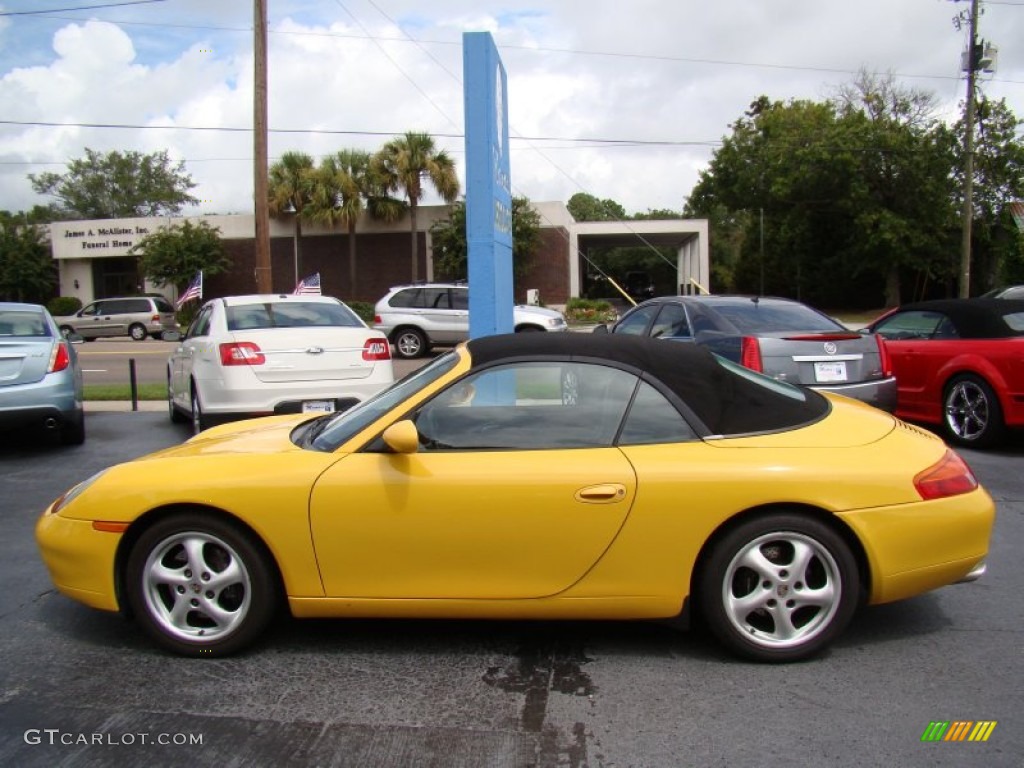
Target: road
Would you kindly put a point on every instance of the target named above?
(106, 361)
(81, 687)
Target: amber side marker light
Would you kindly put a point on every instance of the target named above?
(109, 527)
(950, 476)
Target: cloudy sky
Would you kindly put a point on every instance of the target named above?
(626, 101)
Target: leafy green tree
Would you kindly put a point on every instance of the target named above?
(404, 164)
(586, 207)
(27, 269)
(997, 244)
(173, 254)
(345, 185)
(291, 183)
(451, 252)
(117, 185)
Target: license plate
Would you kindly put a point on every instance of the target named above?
(830, 371)
(318, 406)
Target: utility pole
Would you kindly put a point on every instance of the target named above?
(264, 276)
(968, 212)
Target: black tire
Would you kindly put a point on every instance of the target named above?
(200, 586)
(529, 329)
(800, 581)
(177, 417)
(66, 330)
(72, 432)
(137, 331)
(410, 343)
(200, 421)
(971, 414)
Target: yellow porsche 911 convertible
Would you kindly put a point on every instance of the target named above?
(533, 476)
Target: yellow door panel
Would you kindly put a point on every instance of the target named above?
(483, 524)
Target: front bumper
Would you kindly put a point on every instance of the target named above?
(80, 559)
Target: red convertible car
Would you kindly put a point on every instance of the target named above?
(959, 364)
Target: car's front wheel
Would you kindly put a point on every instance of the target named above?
(778, 587)
(200, 585)
(971, 414)
(410, 343)
(199, 419)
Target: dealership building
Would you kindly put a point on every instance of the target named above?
(94, 261)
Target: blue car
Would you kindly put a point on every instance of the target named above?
(40, 378)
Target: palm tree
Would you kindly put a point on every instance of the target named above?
(404, 162)
(346, 185)
(291, 182)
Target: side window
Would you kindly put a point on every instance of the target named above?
(132, 306)
(436, 298)
(91, 310)
(528, 406)
(410, 297)
(162, 305)
(671, 322)
(201, 324)
(653, 419)
(913, 324)
(635, 323)
(460, 298)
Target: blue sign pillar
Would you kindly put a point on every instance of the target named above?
(488, 187)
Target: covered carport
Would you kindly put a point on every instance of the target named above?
(687, 237)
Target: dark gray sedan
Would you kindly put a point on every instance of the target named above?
(779, 337)
(40, 379)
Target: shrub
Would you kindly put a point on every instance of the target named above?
(362, 308)
(64, 305)
(589, 311)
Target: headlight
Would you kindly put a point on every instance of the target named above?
(74, 493)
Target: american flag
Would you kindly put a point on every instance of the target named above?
(194, 290)
(308, 286)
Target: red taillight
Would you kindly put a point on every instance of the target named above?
(60, 358)
(884, 360)
(750, 354)
(241, 353)
(377, 320)
(949, 477)
(376, 349)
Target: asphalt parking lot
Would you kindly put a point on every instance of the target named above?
(81, 687)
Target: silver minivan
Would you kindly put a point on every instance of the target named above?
(135, 316)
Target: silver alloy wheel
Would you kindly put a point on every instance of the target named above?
(196, 587)
(409, 344)
(967, 410)
(781, 590)
(137, 332)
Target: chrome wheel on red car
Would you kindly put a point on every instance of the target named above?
(972, 415)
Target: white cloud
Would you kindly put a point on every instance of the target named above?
(649, 71)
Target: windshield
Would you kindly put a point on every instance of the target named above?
(349, 423)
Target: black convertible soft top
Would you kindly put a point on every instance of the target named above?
(975, 318)
(727, 402)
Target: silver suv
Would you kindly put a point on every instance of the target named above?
(135, 316)
(416, 317)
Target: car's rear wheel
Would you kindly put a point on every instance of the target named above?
(410, 343)
(199, 585)
(779, 587)
(72, 432)
(66, 330)
(137, 331)
(971, 414)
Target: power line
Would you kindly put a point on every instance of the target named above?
(80, 8)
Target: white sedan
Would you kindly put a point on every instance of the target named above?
(258, 355)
